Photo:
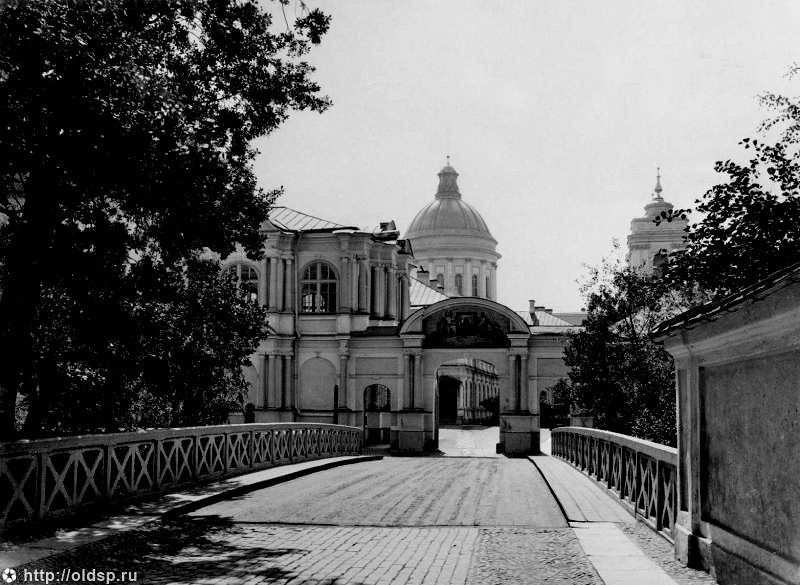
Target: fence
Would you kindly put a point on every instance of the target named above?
(642, 474)
(57, 476)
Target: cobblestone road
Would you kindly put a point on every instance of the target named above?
(396, 521)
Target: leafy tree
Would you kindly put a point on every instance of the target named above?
(749, 224)
(616, 373)
(126, 134)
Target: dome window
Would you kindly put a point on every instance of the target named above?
(474, 285)
(459, 285)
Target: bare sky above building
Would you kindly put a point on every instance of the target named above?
(555, 114)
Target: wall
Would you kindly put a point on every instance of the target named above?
(738, 383)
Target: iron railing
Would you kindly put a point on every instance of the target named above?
(642, 474)
(50, 477)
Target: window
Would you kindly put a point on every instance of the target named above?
(246, 279)
(488, 291)
(318, 288)
(440, 281)
(459, 284)
(376, 398)
(474, 285)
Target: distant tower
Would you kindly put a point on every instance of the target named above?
(648, 243)
(452, 242)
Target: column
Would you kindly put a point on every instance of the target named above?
(512, 381)
(264, 381)
(344, 285)
(377, 291)
(280, 285)
(289, 301)
(363, 286)
(405, 295)
(273, 284)
(262, 282)
(289, 378)
(368, 280)
(259, 397)
(523, 383)
(493, 282)
(344, 357)
(391, 310)
(354, 276)
(272, 381)
(280, 382)
(417, 389)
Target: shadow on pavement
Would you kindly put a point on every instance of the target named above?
(183, 550)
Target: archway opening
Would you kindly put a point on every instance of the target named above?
(377, 414)
(467, 407)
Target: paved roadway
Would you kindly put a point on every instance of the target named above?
(402, 520)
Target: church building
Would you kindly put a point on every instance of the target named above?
(396, 334)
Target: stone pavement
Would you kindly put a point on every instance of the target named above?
(469, 441)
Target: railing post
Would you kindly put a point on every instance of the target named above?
(658, 490)
(157, 464)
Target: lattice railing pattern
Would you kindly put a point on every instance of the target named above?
(641, 473)
(58, 476)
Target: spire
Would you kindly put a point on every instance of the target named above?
(658, 189)
(448, 187)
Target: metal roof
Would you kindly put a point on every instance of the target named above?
(422, 295)
(730, 303)
(544, 319)
(291, 220)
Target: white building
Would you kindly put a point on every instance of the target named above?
(352, 318)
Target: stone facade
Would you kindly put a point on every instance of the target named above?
(350, 318)
(737, 370)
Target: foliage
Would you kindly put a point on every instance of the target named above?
(749, 224)
(126, 134)
(616, 373)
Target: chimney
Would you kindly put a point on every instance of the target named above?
(549, 311)
(538, 308)
(531, 306)
(423, 275)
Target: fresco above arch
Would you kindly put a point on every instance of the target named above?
(466, 326)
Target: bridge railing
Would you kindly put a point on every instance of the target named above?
(49, 477)
(642, 474)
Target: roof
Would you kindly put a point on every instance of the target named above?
(728, 304)
(576, 318)
(291, 220)
(448, 213)
(544, 319)
(422, 295)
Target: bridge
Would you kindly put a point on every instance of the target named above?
(298, 503)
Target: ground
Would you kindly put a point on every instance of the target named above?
(481, 520)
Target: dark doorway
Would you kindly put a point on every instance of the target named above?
(448, 400)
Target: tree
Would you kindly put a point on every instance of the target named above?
(616, 373)
(126, 134)
(749, 224)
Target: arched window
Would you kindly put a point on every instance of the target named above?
(440, 281)
(543, 397)
(459, 284)
(659, 262)
(377, 398)
(474, 285)
(246, 279)
(318, 288)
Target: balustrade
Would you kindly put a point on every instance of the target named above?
(51, 477)
(642, 474)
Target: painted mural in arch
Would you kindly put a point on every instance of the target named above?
(466, 326)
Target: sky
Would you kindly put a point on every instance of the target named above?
(554, 113)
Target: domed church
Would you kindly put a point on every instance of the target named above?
(396, 335)
(453, 244)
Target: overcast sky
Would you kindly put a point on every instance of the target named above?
(555, 114)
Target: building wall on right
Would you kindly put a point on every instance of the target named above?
(738, 383)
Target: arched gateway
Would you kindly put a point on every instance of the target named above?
(471, 328)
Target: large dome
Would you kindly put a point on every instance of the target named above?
(448, 213)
